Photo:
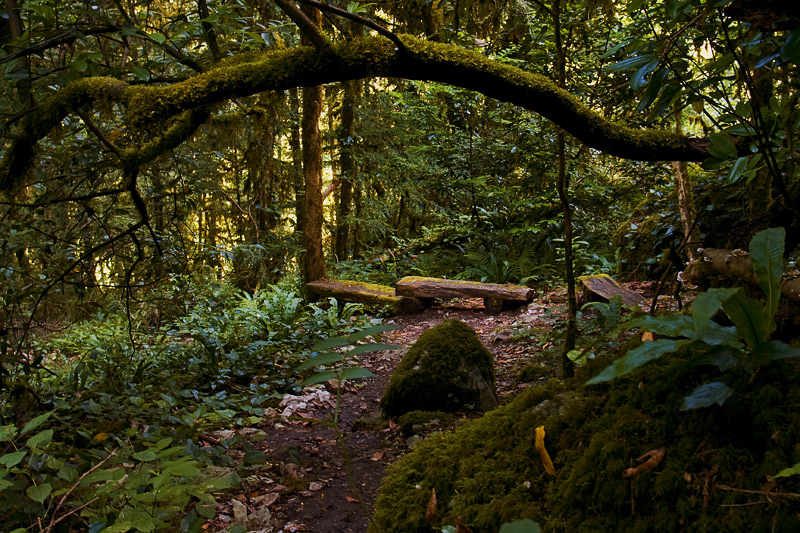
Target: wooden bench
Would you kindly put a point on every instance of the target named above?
(495, 297)
(376, 297)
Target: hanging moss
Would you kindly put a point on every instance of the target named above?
(434, 375)
(714, 476)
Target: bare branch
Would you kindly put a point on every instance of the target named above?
(305, 24)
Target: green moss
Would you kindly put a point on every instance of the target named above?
(422, 381)
(593, 434)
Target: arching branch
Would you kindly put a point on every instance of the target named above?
(362, 58)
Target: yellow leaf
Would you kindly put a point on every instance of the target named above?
(548, 464)
(647, 336)
(100, 437)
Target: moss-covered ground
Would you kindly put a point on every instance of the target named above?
(716, 474)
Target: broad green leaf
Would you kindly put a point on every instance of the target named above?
(163, 443)
(12, 459)
(41, 439)
(39, 493)
(146, 455)
(772, 351)
(791, 46)
(120, 526)
(373, 330)
(639, 78)
(707, 304)
(738, 169)
(320, 377)
(141, 73)
(320, 360)
(749, 318)
(364, 348)
(7, 433)
(521, 526)
(157, 37)
(669, 325)
(791, 471)
(4, 484)
(635, 358)
(632, 63)
(723, 143)
(184, 468)
(327, 344)
(355, 373)
(717, 335)
(79, 65)
(35, 423)
(707, 395)
(766, 251)
(253, 457)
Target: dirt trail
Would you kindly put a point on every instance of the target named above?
(303, 482)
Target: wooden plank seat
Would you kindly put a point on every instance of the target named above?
(374, 297)
(495, 297)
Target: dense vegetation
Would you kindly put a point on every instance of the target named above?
(172, 172)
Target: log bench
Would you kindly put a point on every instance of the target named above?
(495, 297)
(373, 296)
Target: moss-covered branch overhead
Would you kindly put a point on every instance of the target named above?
(368, 57)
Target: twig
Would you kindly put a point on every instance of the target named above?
(55, 520)
(787, 495)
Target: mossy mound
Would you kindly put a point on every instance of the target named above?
(447, 369)
(715, 476)
(420, 422)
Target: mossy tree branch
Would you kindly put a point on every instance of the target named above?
(363, 58)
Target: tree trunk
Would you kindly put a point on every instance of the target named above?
(314, 261)
(567, 365)
(346, 169)
(686, 208)
(297, 160)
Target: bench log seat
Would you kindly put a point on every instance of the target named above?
(495, 297)
(603, 287)
(373, 296)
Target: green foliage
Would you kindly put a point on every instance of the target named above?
(128, 404)
(747, 345)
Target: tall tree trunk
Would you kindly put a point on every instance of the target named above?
(683, 186)
(263, 166)
(314, 261)
(297, 160)
(346, 169)
(567, 365)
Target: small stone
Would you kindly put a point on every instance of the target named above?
(239, 511)
(316, 485)
(412, 440)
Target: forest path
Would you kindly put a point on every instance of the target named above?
(303, 481)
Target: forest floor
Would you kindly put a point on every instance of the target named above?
(303, 484)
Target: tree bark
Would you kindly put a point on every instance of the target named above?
(562, 184)
(346, 169)
(314, 259)
(686, 208)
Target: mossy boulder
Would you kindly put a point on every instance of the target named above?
(447, 369)
(717, 474)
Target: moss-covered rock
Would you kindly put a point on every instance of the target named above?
(716, 476)
(447, 369)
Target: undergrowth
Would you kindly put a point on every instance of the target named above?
(104, 435)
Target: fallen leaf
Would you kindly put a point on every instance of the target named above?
(654, 457)
(647, 336)
(433, 508)
(548, 464)
(348, 498)
(378, 456)
(460, 527)
(392, 424)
